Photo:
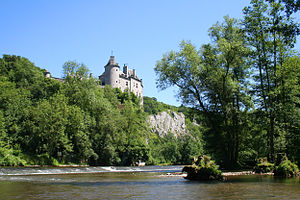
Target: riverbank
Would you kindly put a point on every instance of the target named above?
(167, 171)
(225, 174)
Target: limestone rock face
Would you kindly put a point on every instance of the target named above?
(166, 122)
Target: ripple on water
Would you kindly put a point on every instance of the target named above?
(143, 185)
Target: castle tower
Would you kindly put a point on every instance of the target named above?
(124, 80)
(112, 71)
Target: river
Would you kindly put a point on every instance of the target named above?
(150, 182)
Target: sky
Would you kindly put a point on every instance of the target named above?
(136, 32)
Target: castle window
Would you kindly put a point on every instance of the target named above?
(116, 81)
(126, 83)
(137, 85)
(116, 69)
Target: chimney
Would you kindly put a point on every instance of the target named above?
(133, 71)
(125, 69)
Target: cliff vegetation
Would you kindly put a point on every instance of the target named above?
(45, 121)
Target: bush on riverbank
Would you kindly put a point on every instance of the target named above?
(263, 166)
(286, 168)
(10, 157)
(203, 169)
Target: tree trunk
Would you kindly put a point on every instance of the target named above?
(272, 124)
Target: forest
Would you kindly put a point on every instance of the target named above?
(44, 121)
(240, 94)
(245, 84)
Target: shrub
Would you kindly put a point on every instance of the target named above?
(263, 166)
(286, 168)
(203, 169)
(10, 157)
(54, 162)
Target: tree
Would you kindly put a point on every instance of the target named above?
(9, 155)
(105, 130)
(214, 81)
(288, 106)
(20, 71)
(271, 35)
(291, 6)
(45, 130)
(135, 129)
(227, 88)
(77, 130)
(183, 69)
(25, 75)
(15, 104)
(75, 70)
(191, 144)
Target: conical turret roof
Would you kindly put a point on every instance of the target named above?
(112, 61)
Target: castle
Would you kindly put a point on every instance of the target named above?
(126, 79)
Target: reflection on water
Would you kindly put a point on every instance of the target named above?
(143, 185)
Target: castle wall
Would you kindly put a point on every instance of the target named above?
(111, 75)
(136, 87)
(123, 80)
(133, 85)
(124, 84)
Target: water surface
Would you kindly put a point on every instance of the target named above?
(136, 183)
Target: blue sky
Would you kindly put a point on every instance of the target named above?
(51, 32)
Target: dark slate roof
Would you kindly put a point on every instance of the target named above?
(112, 61)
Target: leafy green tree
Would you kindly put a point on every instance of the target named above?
(170, 149)
(214, 81)
(15, 104)
(9, 155)
(44, 88)
(105, 130)
(75, 70)
(227, 88)
(20, 71)
(288, 116)
(183, 69)
(45, 136)
(77, 130)
(291, 6)
(271, 35)
(153, 107)
(155, 143)
(135, 130)
(191, 145)
(112, 95)
(164, 150)
(26, 75)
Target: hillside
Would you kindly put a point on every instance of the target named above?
(47, 122)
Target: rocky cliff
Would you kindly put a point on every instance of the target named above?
(169, 121)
